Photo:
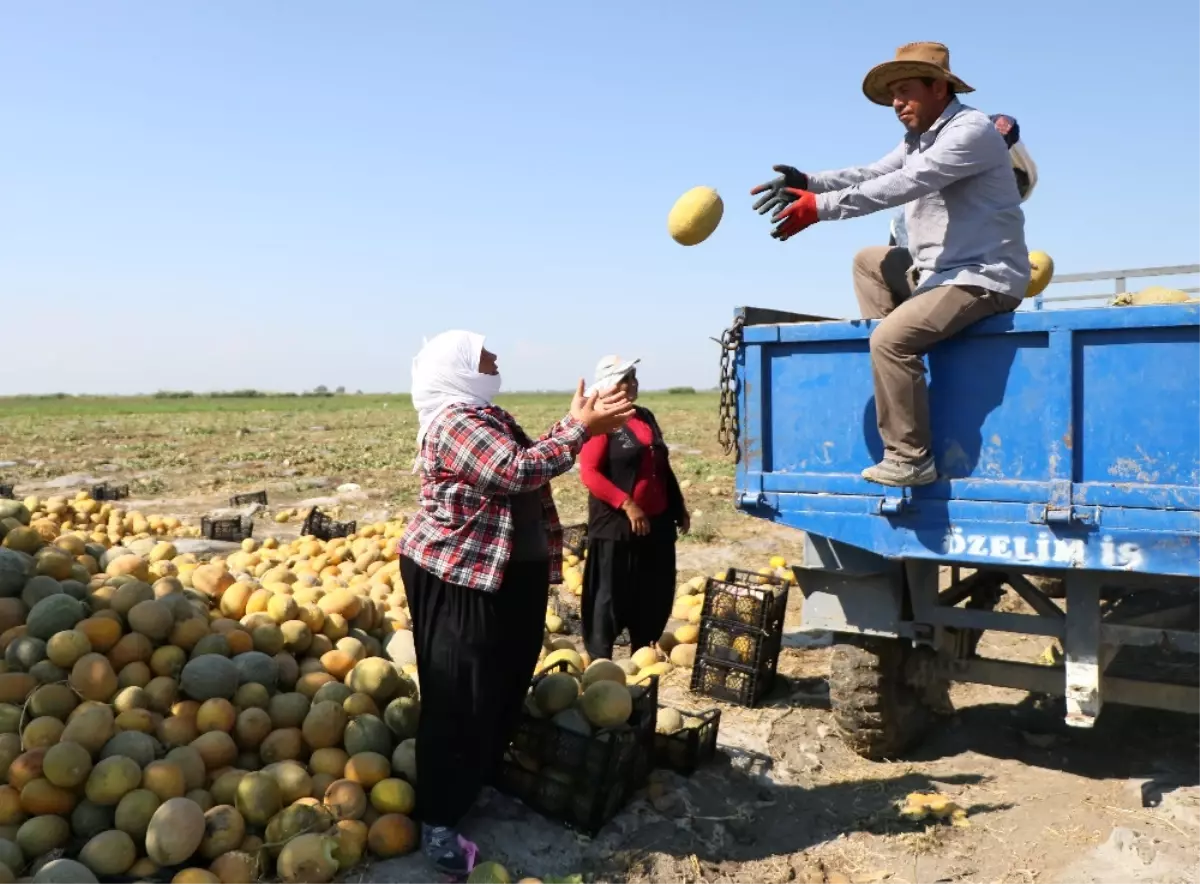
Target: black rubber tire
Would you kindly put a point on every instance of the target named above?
(880, 716)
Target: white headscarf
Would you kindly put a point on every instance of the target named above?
(446, 372)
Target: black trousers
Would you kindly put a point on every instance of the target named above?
(628, 584)
(476, 652)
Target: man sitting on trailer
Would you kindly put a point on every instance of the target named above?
(966, 259)
(1024, 169)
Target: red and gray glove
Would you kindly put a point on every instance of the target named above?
(775, 192)
(799, 213)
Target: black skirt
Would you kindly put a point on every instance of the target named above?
(476, 652)
(628, 584)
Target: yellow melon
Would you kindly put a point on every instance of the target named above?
(1042, 271)
(393, 834)
(603, 670)
(607, 704)
(393, 795)
(695, 216)
(309, 857)
(175, 832)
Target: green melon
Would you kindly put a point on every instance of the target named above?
(54, 614)
(402, 716)
(367, 733)
(556, 692)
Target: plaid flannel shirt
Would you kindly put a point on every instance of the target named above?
(471, 460)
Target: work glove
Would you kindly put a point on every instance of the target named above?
(799, 213)
(775, 195)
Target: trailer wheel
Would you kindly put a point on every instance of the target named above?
(876, 706)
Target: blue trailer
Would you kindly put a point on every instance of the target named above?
(1068, 448)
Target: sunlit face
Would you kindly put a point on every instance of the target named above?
(918, 104)
(487, 363)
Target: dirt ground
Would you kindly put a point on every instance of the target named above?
(784, 800)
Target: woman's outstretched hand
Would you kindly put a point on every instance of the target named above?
(600, 414)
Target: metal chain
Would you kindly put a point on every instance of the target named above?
(727, 429)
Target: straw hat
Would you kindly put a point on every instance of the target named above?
(912, 60)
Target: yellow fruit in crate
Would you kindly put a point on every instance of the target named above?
(607, 703)
(1041, 268)
(778, 562)
(695, 216)
(743, 646)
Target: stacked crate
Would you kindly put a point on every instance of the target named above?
(741, 631)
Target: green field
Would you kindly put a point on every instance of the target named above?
(200, 447)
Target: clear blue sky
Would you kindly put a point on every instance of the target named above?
(284, 194)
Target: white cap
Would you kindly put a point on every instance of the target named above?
(610, 371)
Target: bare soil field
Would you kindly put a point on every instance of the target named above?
(784, 800)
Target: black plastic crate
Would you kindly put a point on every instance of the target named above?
(694, 745)
(107, 491)
(569, 612)
(752, 600)
(8, 492)
(582, 781)
(249, 498)
(575, 539)
(233, 528)
(322, 527)
(735, 684)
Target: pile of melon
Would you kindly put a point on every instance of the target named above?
(98, 522)
(219, 721)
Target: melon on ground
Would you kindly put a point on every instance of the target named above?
(393, 834)
(404, 760)
(224, 830)
(308, 858)
(695, 216)
(64, 871)
(393, 795)
(258, 798)
(568, 655)
(175, 832)
(109, 853)
(135, 811)
(112, 779)
(351, 838)
(489, 873)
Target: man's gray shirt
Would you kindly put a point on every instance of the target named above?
(962, 209)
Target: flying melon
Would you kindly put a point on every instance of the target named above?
(695, 216)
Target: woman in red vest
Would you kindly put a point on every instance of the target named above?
(635, 509)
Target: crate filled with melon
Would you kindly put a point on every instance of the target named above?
(741, 633)
(585, 740)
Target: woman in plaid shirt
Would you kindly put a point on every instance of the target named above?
(477, 563)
